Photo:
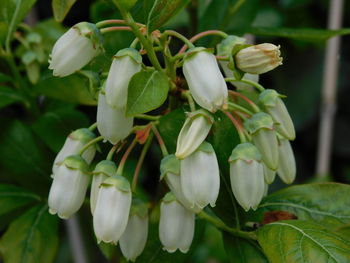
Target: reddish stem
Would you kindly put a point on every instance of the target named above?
(114, 21)
(125, 156)
(160, 140)
(115, 28)
(200, 35)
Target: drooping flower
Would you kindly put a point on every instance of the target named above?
(287, 167)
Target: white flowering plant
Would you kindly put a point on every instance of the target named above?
(218, 138)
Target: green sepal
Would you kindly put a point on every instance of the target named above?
(169, 164)
(260, 120)
(193, 51)
(194, 114)
(225, 47)
(169, 197)
(245, 152)
(118, 182)
(92, 32)
(139, 207)
(105, 167)
(269, 97)
(76, 162)
(131, 52)
(205, 147)
(83, 134)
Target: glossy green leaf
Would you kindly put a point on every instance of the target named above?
(125, 4)
(147, 91)
(61, 8)
(297, 241)
(308, 34)
(320, 202)
(241, 250)
(32, 238)
(74, 89)
(162, 11)
(12, 13)
(9, 96)
(54, 126)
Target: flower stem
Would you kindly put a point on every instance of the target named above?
(92, 142)
(238, 126)
(253, 83)
(250, 102)
(184, 39)
(188, 96)
(125, 157)
(93, 126)
(221, 225)
(134, 43)
(238, 107)
(113, 21)
(140, 161)
(112, 151)
(160, 140)
(115, 28)
(147, 117)
(203, 34)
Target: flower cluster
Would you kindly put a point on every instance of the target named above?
(192, 172)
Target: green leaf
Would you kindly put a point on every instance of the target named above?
(72, 89)
(9, 96)
(297, 241)
(307, 34)
(147, 91)
(12, 13)
(61, 8)
(321, 202)
(32, 238)
(54, 126)
(241, 250)
(162, 11)
(125, 4)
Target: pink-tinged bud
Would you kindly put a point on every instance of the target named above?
(258, 59)
(287, 167)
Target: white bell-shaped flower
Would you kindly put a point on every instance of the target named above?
(112, 209)
(74, 142)
(260, 126)
(269, 175)
(69, 187)
(125, 64)
(274, 106)
(75, 48)
(204, 79)
(200, 177)
(170, 172)
(287, 168)
(247, 175)
(193, 133)
(176, 225)
(102, 171)
(133, 240)
(112, 123)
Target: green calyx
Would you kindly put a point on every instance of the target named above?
(90, 31)
(139, 208)
(245, 152)
(205, 147)
(169, 197)
(117, 181)
(105, 167)
(193, 51)
(76, 162)
(169, 164)
(259, 121)
(269, 97)
(130, 52)
(84, 135)
(195, 114)
(225, 47)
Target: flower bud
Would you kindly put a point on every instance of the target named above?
(112, 209)
(112, 123)
(69, 186)
(193, 133)
(200, 176)
(102, 171)
(260, 126)
(74, 142)
(176, 225)
(133, 240)
(170, 171)
(287, 167)
(75, 48)
(204, 79)
(125, 64)
(247, 175)
(259, 59)
(269, 175)
(274, 106)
